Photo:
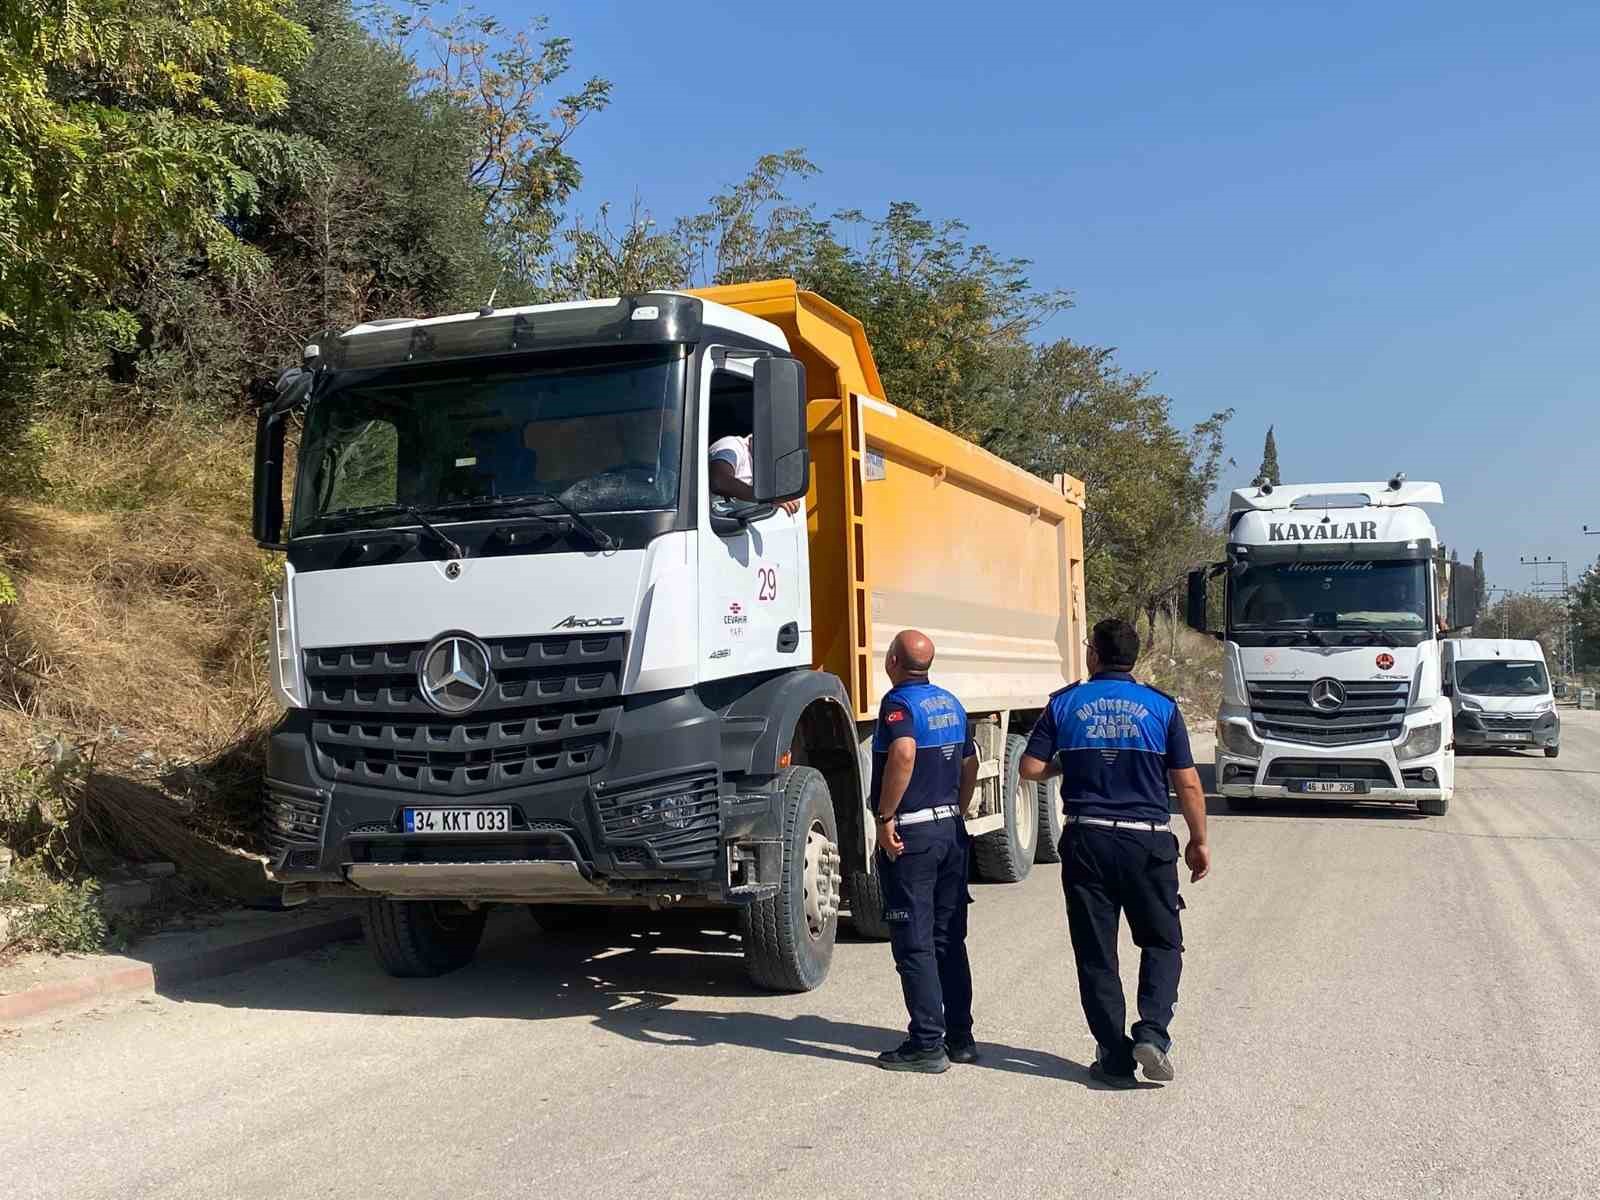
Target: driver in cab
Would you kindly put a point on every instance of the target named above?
(732, 471)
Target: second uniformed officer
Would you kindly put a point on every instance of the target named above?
(924, 769)
(1116, 744)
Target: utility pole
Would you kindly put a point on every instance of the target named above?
(1505, 617)
(1550, 589)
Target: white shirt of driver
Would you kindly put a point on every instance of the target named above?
(735, 451)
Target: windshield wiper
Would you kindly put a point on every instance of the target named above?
(592, 531)
(438, 535)
(445, 541)
(1373, 637)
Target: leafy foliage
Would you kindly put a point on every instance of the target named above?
(1586, 619)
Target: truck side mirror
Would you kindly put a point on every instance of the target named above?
(267, 509)
(1197, 615)
(266, 516)
(781, 466)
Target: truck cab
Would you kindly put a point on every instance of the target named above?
(1500, 695)
(1333, 601)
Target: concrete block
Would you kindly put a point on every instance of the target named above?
(121, 897)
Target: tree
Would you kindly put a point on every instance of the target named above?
(1586, 619)
(1268, 474)
(1524, 616)
(1481, 600)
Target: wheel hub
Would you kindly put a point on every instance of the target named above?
(1024, 813)
(823, 879)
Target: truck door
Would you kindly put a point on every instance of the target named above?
(752, 578)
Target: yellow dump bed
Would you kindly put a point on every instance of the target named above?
(913, 527)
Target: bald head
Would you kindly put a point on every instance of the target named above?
(910, 656)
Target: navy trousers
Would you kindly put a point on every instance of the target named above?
(1105, 873)
(925, 902)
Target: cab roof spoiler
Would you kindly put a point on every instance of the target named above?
(1394, 493)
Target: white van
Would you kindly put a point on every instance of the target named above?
(1500, 690)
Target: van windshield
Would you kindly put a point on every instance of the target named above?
(1501, 677)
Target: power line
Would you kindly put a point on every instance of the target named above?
(1558, 593)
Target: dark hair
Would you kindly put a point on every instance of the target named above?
(1117, 644)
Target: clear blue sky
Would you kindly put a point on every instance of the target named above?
(1374, 225)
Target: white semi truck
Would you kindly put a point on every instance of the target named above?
(526, 657)
(1334, 601)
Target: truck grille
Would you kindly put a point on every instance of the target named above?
(544, 717)
(669, 822)
(528, 673)
(1372, 712)
(1506, 722)
(1369, 771)
(458, 758)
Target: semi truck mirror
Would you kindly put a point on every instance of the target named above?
(1198, 618)
(267, 509)
(781, 461)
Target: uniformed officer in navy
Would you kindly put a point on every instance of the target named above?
(924, 769)
(1116, 745)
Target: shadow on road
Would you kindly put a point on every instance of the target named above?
(629, 980)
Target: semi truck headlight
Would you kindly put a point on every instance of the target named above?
(1235, 737)
(1419, 741)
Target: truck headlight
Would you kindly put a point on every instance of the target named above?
(1419, 741)
(1235, 737)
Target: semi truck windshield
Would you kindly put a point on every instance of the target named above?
(1375, 595)
(599, 436)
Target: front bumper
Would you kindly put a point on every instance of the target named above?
(1489, 731)
(1373, 769)
(655, 815)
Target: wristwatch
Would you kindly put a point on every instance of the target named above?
(883, 820)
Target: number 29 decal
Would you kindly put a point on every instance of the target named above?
(767, 578)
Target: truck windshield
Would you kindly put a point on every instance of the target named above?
(1498, 677)
(599, 436)
(1373, 596)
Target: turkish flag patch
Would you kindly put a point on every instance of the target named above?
(895, 714)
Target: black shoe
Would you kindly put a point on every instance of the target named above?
(1157, 1065)
(963, 1051)
(907, 1057)
(1116, 1079)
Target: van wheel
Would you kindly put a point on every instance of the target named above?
(788, 939)
(1552, 751)
(1433, 806)
(418, 939)
(866, 905)
(1050, 821)
(1006, 855)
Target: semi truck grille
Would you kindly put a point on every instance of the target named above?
(464, 757)
(666, 822)
(526, 673)
(294, 818)
(1373, 711)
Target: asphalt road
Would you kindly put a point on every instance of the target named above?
(1374, 1005)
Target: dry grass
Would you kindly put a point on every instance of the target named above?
(1184, 664)
(142, 608)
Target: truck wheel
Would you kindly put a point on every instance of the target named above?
(1050, 822)
(1552, 751)
(866, 905)
(788, 939)
(1431, 806)
(1006, 855)
(417, 939)
(570, 918)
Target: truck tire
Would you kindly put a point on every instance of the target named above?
(1243, 804)
(570, 918)
(1433, 806)
(418, 939)
(866, 906)
(1006, 855)
(1050, 822)
(1552, 751)
(788, 939)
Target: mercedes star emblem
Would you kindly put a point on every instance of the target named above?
(1327, 695)
(454, 673)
